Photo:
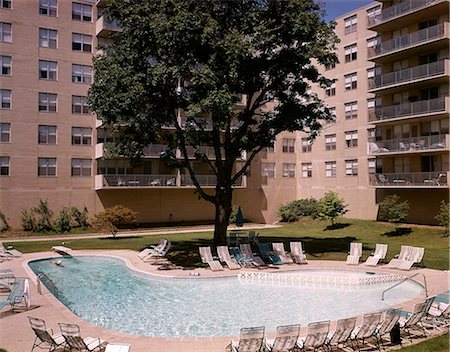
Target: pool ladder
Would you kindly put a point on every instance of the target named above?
(406, 279)
(41, 277)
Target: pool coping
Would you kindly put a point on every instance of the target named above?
(54, 312)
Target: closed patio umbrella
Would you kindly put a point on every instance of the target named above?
(239, 218)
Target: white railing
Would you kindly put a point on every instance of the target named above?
(128, 180)
(410, 179)
(407, 144)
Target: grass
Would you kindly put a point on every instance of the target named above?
(436, 344)
(319, 241)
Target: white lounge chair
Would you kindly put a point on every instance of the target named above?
(12, 253)
(413, 321)
(415, 257)
(342, 333)
(405, 252)
(379, 254)
(224, 256)
(438, 316)
(316, 337)
(207, 258)
(355, 253)
(157, 254)
(45, 338)
(367, 329)
(278, 249)
(75, 342)
(285, 340)
(298, 253)
(155, 248)
(250, 340)
(391, 318)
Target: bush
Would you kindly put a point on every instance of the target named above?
(62, 222)
(4, 226)
(297, 208)
(44, 222)
(392, 210)
(79, 217)
(443, 216)
(28, 220)
(233, 214)
(112, 218)
(331, 206)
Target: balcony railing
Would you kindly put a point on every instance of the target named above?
(103, 27)
(408, 74)
(407, 109)
(206, 150)
(399, 9)
(154, 150)
(407, 144)
(407, 41)
(139, 180)
(410, 179)
(206, 180)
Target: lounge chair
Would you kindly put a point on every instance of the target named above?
(298, 253)
(342, 333)
(285, 340)
(405, 252)
(278, 249)
(266, 253)
(415, 257)
(19, 294)
(157, 254)
(6, 274)
(247, 252)
(155, 248)
(14, 253)
(355, 253)
(250, 340)
(379, 254)
(240, 258)
(45, 338)
(74, 341)
(367, 329)
(224, 256)
(437, 316)
(316, 337)
(391, 318)
(207, 258)
(414, 320)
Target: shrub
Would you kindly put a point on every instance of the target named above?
(392, 210)
(44, 222)
(331, 206)
(297, 208)
(112, 218)
(443, 216)
(233, 214)
(62, 222)
(79, 217)
(28, 220)
(4, 226)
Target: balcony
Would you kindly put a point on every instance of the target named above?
(207, 181)
(104, 28)
(410, 180)
(103, 150)
(409, 145)
(399, 9)
(408, 41)
(408, 75)
(404, 110)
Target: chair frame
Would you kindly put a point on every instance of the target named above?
(44, 336)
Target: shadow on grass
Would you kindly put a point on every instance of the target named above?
(185, 253)
(400, 231)
(118, 238)
(336, 226)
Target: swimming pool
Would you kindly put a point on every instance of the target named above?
(105, 292)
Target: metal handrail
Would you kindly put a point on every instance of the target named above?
(54, 289)
(406, 279)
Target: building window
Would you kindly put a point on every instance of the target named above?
(5, 98)
(47, 134)
(81, 167)
(374, 11)
(330, 169)
(330, 66)
(48, 38)
(268, 170)
(288, 169)
(81, 136)
(351, 139)
(47, 102)
(306, 170)
(288, 145)
(5, 4)
(351, 167)
(5, 65)
(331, 90)
(372, 163)
(351, 110)
(4, 165)
(46, 166)
(5, 132)
(351, 53)
(5, 32)
(330, 141)
(81, 74)
(350, 24)
(81, 42)
(81, 12)
(333, 113)
(79, 105)
(48, 70)
(48, 8)
(306, 145)
(351, 81)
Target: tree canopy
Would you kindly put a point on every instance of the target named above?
(178, 69)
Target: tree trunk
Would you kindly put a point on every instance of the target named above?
(222, 217)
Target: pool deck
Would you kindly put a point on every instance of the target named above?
(17, 336)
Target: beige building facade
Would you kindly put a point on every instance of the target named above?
(388, 126)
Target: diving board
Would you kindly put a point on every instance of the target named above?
(62, 250)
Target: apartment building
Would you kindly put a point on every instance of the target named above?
(390, 98)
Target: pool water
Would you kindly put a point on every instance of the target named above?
(105, 292)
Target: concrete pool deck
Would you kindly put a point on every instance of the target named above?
(17, 336)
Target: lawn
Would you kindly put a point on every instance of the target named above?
(437, 344)
(319, 241)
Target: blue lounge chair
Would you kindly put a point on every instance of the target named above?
(268, 255)
(17, 296)
(240, 258)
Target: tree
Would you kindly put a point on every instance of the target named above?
(392, 210)
(443, 216)
(186, 64)
(111, 218)
(331, 206)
